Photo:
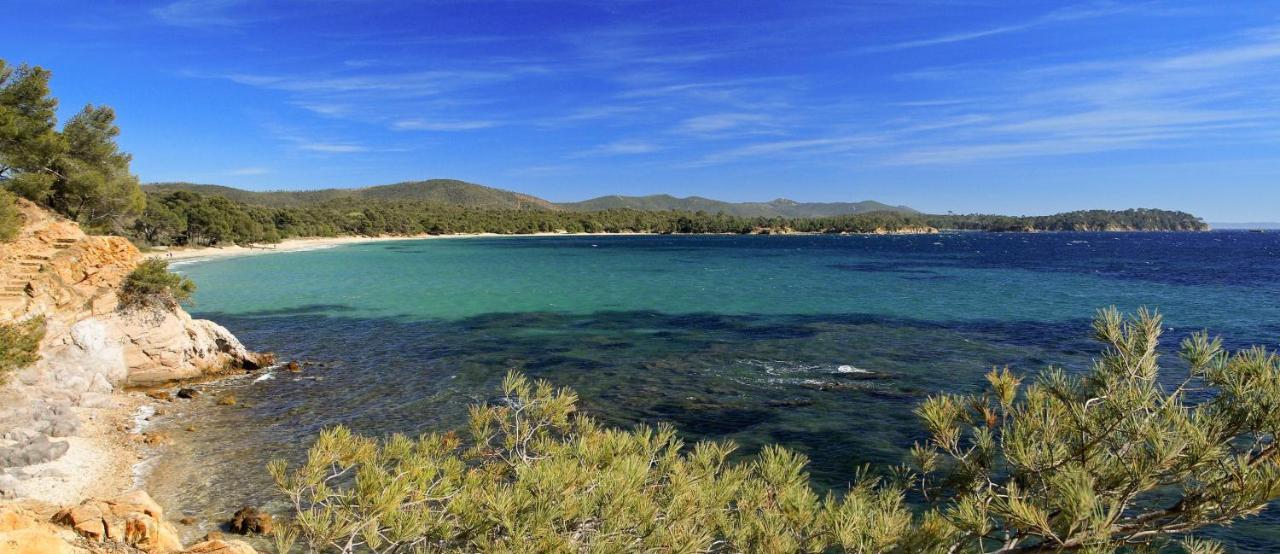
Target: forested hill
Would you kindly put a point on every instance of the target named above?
(776, 208)
(471, 195)
(443, 191)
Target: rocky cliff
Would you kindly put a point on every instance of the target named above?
(92, 349)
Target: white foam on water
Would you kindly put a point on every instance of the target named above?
(851, 369)
(141, 416)
(142, 469)
(265, 377)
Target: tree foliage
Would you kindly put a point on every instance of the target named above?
(151, 284)
(10, 217)
(19, 345)
(78, 171)
(1097, 462)
(182, 217)
(94, 185)
(1085, 220)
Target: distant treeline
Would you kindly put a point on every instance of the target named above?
(1086, 220)
(188, 218)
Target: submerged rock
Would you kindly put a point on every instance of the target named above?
(251, 520)
(188, 393)
(218, 546)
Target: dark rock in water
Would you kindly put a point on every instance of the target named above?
(829, 386)
(260, 361)
(293, 367)
(790, 403)
(251, 520)
(187, 520)
(188, 393)
(863, 375)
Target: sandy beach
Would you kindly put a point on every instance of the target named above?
(304, 244)
(287, 245)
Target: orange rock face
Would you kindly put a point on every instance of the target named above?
(53, 266)
(134, 519)
(22, 532)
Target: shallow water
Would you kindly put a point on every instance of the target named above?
(823, 343)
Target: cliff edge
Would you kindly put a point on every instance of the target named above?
(64, 417)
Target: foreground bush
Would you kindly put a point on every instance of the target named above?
(1096, 463)
(19, 345)
(10, 217)
(151, 284)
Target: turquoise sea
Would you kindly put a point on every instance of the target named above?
(822, 343)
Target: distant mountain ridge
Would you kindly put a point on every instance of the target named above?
(445, 191)
(781, 207)
(471, 195)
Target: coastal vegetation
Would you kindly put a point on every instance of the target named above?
(182, 217)
(19, 345)
(79, 170)
(10, 217)
(1121, 457)
(151, 284)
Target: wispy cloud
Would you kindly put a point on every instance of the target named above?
(302, 141)
(331, 147)
(425, 125)
(1180, 99)
(201, 13)
(622, 148)
(248, 171)
(721, 123)
(1058, 16)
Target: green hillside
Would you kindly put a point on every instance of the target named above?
(444, 191)
(777, 208)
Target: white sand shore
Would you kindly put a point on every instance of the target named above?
(299, 245)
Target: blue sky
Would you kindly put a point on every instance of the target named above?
(1010, 107)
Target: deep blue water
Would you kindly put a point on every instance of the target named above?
(727, 337)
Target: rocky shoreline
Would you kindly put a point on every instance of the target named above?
(74, 437)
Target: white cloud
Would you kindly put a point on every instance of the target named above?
(248, 171)
(1058, 16)
(719, 123)
(623, 148)
(424, 125)
(200, 13)
(331, 148)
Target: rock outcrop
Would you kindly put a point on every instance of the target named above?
(134, 519)
(130, 523)
(24, 532)
(92, 348)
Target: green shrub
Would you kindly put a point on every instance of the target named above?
(19, 345)
(1107, 461)
(10, 217)
(151, 284)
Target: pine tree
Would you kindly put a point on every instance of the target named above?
(1093, 463)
